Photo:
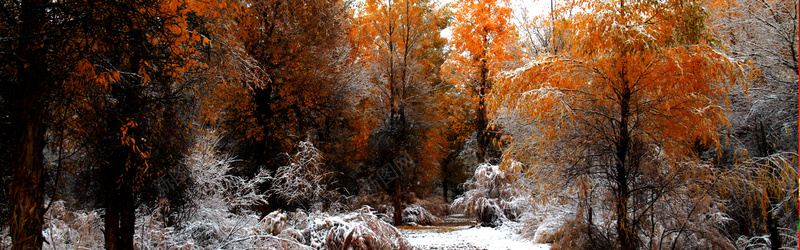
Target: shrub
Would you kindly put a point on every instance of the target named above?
(71, 230)
(417, 214)
(488, 213)
(363, 230)
(491, 197)
(304, 180)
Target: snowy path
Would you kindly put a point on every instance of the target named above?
(458, 233)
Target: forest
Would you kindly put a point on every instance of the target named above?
(399, 124)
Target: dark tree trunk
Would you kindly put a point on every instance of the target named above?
(127, 214)
(112, 172)
(120, 169)
(398, 128)
(444, 190)
(772, 227)
(119, 202)
(398, 202)
(26, 186)
(480, 119)
(624, 229)
(27, 119)
(111, 221)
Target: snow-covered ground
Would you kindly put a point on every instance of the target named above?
(472, 238)
(466, 236)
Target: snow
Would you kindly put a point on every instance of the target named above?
(467, 237)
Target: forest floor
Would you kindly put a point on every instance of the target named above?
(459, 232)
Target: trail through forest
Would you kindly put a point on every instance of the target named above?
(460, 232)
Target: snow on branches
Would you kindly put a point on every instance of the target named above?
(303, 181)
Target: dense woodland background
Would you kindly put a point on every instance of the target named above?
(600, 124)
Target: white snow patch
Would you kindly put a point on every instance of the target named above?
(463, 237)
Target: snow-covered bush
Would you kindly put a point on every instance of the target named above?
(72, 230)
(5, 238)
(274, 223)
(362, 230)
(514, 207)
(416, 214)
(548, 231)
(488, 182)
(303, 181)
(215, 194)
(489, 213)
(213, 224)
(434, 205)
(214, 188)
(491, 196)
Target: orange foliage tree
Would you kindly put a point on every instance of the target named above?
(399, 47)
(132, 87)
(458, 160)
(617, 116)
(88, 67)
(481, 34)
(109, 76)
(300, 51)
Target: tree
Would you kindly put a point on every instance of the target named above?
(537, 34)
(30, 82)
(764, 119)
(40, 53)
(481, 35)
(618, 111)
(460, 157)
(775, 51)
(299, 46)
(300, 89)
(127, 98)
(399, 46)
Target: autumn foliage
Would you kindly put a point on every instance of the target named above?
(398, 46)
(621, 111)
(624, 124)
(481, 36)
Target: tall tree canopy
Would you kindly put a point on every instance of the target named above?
(108, 62)
(400, 48)
(482, 33)
(619, 110)
(294, 44)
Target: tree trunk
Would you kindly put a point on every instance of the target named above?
(624, 229)
(772, 227)
(398, 202)
(111, 220)
(28, 163)
(127, 214)
(119, 202)
(624, 232)
(118, 174)
(480, 119)
(444, 190)
(29, 128)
